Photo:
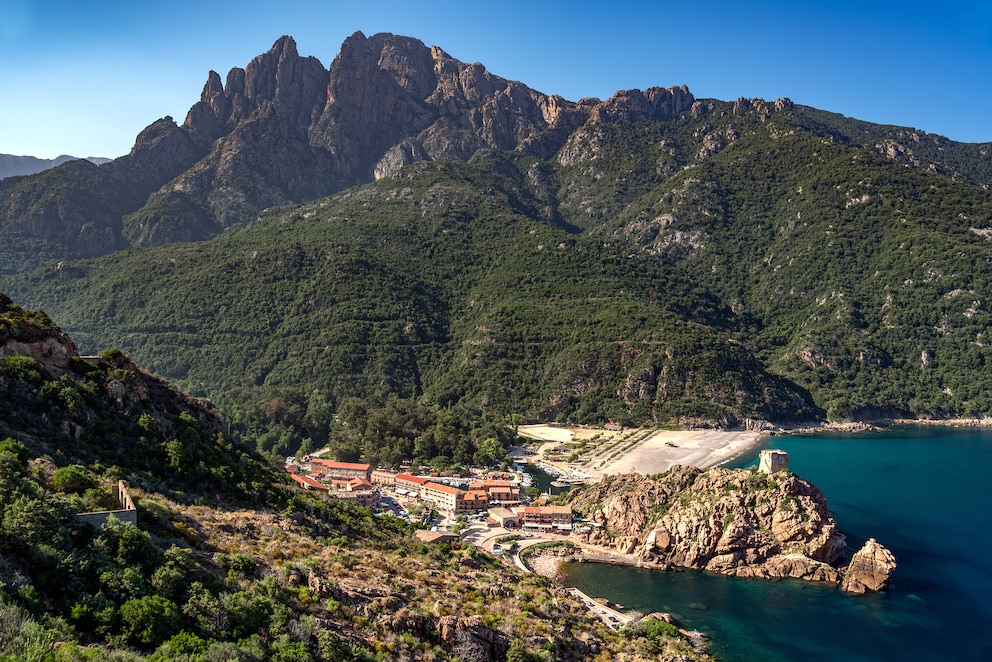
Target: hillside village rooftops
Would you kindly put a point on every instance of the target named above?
(350, 466)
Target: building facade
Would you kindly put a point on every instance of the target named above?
(409, 483)
(345, 470)
(545, 517)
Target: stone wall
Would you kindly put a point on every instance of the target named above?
(126, 513)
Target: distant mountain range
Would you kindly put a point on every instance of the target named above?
(408, 225)
(13, 166)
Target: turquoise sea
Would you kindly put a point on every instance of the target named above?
(923, 491)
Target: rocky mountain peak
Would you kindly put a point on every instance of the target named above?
(286, 129)
(212, 87)
(281, 72)
(636, 105)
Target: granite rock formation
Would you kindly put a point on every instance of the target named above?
(869, 569)
(284, 129)
(733, 522)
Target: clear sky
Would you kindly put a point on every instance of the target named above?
(83, 78)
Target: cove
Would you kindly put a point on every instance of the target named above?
(923, 491)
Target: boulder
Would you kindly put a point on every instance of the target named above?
(869, 569)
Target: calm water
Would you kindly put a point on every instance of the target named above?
(924, 492)
(543, 480)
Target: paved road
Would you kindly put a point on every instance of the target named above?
(484, 537)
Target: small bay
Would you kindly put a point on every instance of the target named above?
(923, 491)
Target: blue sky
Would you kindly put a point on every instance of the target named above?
(83, 78)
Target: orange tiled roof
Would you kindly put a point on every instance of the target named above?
(447, 489)
(306, 481)
(410, 478)
(331, 464)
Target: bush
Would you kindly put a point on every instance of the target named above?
(22, 367)
(15, 448)
(146, 622)
(73, 479)
(242, 564)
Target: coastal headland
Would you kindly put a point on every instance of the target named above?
(736, 523)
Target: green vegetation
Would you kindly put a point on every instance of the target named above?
(226, 563)
(450, 296)
(734, 262)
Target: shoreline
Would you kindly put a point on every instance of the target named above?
(547, 562)
(877, 425)
(699, 448)
(655, 452)
(660, 450)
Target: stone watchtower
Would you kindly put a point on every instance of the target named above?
(772, 461)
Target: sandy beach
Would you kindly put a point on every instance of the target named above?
(699, 448)
(654, 453)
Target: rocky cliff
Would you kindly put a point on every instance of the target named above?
(734, 522)
(869, 569)
(284, 129)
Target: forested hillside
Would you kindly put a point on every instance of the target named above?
(226, 562)
(649, 259)
(864, 280)
(453, 291)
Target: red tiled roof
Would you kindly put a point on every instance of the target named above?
(331, 464)
(410, 478)
(308, 482)
(447, 489)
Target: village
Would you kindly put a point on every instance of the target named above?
(499, 511)
(496, 498)
(494, 513)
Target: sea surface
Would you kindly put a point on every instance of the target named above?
(925, 492)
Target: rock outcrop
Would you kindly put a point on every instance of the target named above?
(34, 335)
(34, 351)
(869, 569)
(284, 129)
(733, 522)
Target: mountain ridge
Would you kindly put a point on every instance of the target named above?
(284, 129)
(782, 261)
(17, 166)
